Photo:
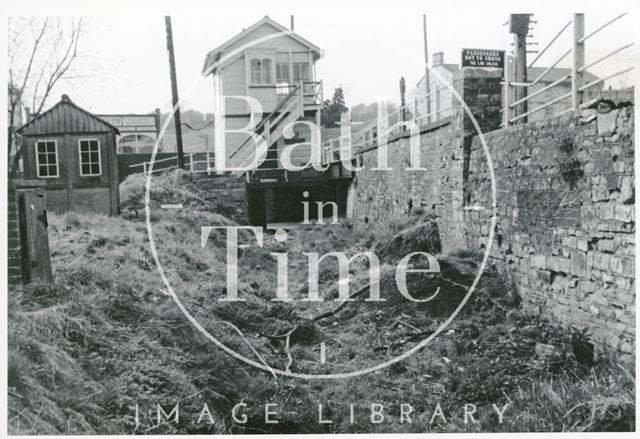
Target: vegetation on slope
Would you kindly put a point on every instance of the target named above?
(106, 336)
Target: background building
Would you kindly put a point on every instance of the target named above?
(442, 99)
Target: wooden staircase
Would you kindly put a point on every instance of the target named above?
(270, 129)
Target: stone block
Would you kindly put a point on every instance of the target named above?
(588, 216)
(627, 190)
(545, 276)
(601, 261)
(616, 264)
(537, 261)
(587, 286)
(624, 213)
(570, 241)
(606, 123)
(606, 245)
(583, 245)
(578, 264)
(599, 188)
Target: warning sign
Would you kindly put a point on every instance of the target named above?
(482, 58)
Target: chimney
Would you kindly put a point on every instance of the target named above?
(438, 59)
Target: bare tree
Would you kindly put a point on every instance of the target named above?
(42, 52)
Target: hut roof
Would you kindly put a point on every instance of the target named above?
(65, 117)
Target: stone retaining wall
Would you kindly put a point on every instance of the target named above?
(565, 202)
(566, 216)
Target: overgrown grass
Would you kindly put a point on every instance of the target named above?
(106, 336)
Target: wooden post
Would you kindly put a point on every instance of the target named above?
(268, 205)
(144, 168)
(157, 121)
(191, 162)
(403, 105)
(344, 141)
(208, 163)
(113, 172)
(174, 91)
(71, 162)
(577, 77)
(267, 139)
(34, 238)
(427, 80)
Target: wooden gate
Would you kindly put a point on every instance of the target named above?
(34, 239)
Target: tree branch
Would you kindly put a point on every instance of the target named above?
(64, 64)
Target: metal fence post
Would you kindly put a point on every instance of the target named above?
(508, 92)
(577, 76)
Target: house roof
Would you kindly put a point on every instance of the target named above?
(66, 117)
(555, 74)
(451, 67)
(215, 55)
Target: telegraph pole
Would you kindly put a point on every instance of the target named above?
(519, 26)
(403, 108)
(174, 92)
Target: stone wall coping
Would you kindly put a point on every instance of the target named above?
(424, 128)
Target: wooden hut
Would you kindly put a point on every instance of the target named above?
(75, 153)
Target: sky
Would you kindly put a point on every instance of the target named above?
(367, 46)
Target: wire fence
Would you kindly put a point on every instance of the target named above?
(516, 111)
(195, 162)
(386, 125)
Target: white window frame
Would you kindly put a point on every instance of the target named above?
(308, 67)
(261, 55)
(55, 147)
(80, 158)
(262, 70)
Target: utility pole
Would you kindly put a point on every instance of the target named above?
(174, 92)
(519, 26)
(403, 108)
(426, 67)
(291, 23)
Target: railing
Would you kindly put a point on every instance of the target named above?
(271, 121)
(312, 92)
(394, 123)
(513, 110)
(192, 164)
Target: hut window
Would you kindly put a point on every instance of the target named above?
(47, 159)
(261, 71)
(90, 163)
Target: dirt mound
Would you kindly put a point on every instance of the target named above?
(421, 237)
(194, 191)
